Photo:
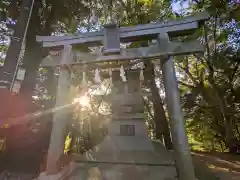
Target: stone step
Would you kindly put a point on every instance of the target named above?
(137, 116)
(126, 99)
(120, 157)
(122, 108)
(123, 172)
(127, 108)
(130, 94)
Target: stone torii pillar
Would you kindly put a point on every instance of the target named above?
(56, 145)
(182, 154)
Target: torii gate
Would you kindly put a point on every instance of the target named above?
(111, 37)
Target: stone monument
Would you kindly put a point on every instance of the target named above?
(127, 152)
(127, 131)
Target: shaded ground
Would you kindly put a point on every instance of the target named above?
(220, 166)
(208, 166)
(214, 166)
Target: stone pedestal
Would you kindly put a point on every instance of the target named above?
(126, 153)
(148, 164)
(127, 131)
(124, 172)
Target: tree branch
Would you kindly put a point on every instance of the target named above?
(214, 35)
(148, 108)
(234, 71)
(123, 4)
(184, 84)
(96, 110)
(208, 60)
(190, 76)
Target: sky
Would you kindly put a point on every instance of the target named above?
(180, 6)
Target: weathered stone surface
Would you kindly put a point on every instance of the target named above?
(126, 153)
(124, 172)
(63, 174)
(115, 142)
(126, 165)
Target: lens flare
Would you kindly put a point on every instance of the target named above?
(83, 100)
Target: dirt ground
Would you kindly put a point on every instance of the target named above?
(213, 166)
(208, 166)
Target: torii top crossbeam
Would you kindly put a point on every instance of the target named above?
(151, 52)
(174, 28)
(111, 37)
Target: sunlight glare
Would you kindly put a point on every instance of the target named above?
(83, 100)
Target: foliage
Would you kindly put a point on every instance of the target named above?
(209, 82)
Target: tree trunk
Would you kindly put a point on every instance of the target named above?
(32, 58)
(231, 140)
(12, 57)
(51, 85)
(161, 124)
(33, 55)
(33, 51)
